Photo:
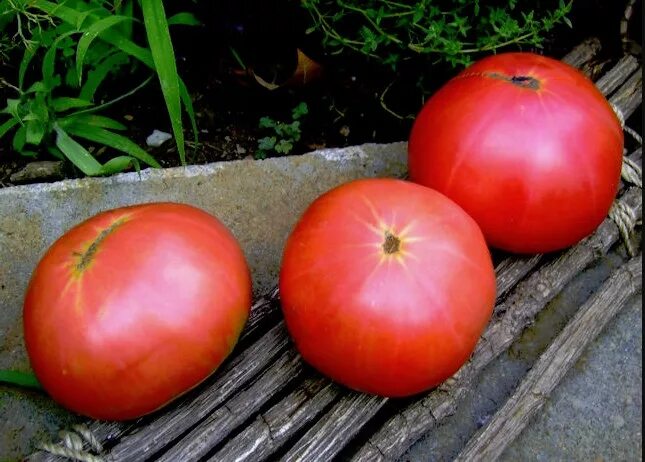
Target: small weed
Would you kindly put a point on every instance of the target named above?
(69, 49)
(283, 134)
(393, 31)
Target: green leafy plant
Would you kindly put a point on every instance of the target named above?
(79, 45)
(451, 31)
(283, 134)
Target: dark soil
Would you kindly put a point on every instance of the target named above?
(347, 104)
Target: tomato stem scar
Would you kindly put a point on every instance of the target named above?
(524, 81)
(391, 244)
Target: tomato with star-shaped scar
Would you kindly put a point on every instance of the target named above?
(386, 286)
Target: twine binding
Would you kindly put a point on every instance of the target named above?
(626, 220)
(74, 445)
(632, 172)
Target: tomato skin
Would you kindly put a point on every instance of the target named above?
(389, 324)
(538, 169)
(117, 329)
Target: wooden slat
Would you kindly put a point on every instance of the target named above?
(169, 426)
(271, 430)
(630, 95)
(616, 76)
(583, 53)
(199, 441)
(553, 364)
(511, 270)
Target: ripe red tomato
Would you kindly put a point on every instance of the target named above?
(133, 307)
(386, 286)
(526, 145)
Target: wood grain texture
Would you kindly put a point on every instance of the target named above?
(583, 53)
(272, 429)
(210, 432)
(617, 75)
(630, 95)
(553, 364)
(336, 428)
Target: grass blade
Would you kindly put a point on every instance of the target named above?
(65, 103)
(127, 9)
(77, 154)
(113, 140)
(163, 55)
(91, 119)
(8, 125)
(49, 61)
(88, 37)
(24, 64)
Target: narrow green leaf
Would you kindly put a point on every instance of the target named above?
(154, 18)
(38, 110)
(88, 37)
(7, 125)
(127, 9)
(49, 61)
(76, 153)
(24, 64)
(21, 379)
(113, 140)
(183, 19)
(91, 119)
(19, 138)
(65, 103)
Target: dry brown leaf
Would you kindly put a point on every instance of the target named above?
(306, 71)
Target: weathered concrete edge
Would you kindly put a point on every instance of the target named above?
(362, 151)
